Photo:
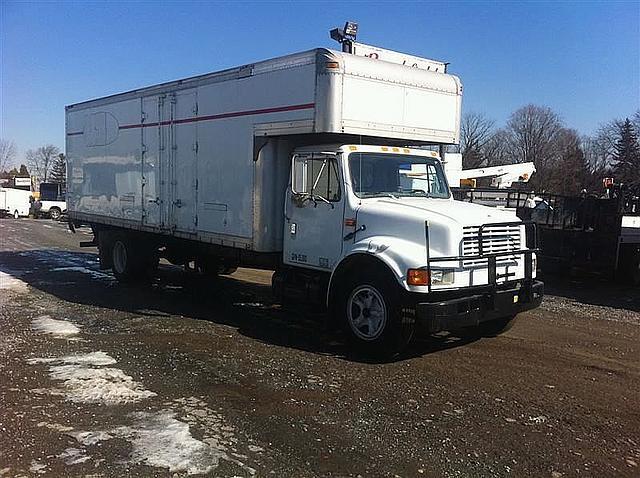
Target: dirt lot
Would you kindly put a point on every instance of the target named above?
(192, 377)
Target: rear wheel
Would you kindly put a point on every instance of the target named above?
(369, 308)
(55, 213)
(130, 262)
(16, 214)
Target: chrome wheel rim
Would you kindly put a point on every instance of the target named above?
(119, 257)
(366, 312)
(55, 214)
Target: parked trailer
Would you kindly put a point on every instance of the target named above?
(14, 202)
(300, 165)
(595, 234)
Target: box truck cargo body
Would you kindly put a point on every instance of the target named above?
(302, 164)
(14, 202)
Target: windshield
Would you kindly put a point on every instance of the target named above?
(379, 174)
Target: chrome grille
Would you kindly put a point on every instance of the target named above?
(494, 239)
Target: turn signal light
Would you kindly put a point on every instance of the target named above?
(417, 277)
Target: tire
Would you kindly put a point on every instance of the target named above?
(493, 328)
(16, 214)
(131, 262)
(369, 308)
(55, 213)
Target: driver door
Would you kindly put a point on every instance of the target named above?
(314, 212)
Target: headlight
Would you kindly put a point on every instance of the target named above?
(442, 277)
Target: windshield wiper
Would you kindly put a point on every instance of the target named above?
(380, 195)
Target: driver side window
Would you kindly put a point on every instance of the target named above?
(316, 176)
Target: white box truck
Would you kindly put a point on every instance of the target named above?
(14, 202)
(314, 165)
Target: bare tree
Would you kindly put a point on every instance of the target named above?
(7, 154)
(496, 149)
(476, 130)
(569, 173)
(41, 160)
(533, 133)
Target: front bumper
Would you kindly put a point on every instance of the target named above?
(457, 311)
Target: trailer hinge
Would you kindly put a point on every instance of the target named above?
(144, 148)
(143, 117)
(196, 185)
(173, 99)
(195, 220)
(143, 180)
(195, 146)
(195, 109)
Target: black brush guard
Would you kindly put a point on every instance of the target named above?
(451, 308)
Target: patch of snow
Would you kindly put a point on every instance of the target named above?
(540, 419)
(73, 456)
(9, 282)
(96, 359)
(84, 270)
(37, 467)
(162, 440)
(90, 438)
(55, 426)
(58, 328)
(85, 379)
(159, 440)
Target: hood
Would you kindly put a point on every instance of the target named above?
(405, 218)
(464, 213)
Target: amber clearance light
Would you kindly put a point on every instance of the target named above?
(417, 277)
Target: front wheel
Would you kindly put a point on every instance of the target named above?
(371, 315)
(55, 213)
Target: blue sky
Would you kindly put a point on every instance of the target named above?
(582, 59)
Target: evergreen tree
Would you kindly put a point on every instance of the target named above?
(59, 170)
(627, 155)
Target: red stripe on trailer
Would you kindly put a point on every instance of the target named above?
(233, 114)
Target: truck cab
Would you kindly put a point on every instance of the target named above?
(397, 253)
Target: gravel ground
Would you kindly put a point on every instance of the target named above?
(192, 377)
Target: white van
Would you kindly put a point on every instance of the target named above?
(14, 202)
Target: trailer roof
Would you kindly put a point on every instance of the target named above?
(352, 64)
(278, 63)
